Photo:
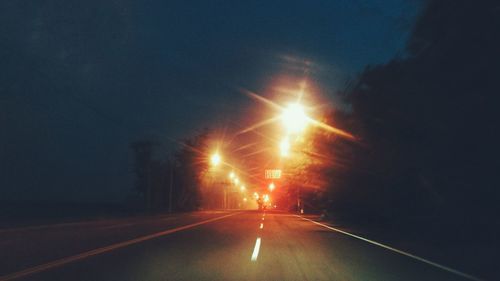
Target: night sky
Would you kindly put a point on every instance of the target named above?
(81, 80)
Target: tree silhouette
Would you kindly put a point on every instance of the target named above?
(428, 121)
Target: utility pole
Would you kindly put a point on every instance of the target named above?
(148, 187)
(143, 151)
(171, 185)
(299, 209)
(225, 196)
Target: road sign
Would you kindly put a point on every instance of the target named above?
(273, 173)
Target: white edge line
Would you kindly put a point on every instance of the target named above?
(70, 259)
(255, 253)
(449, 269)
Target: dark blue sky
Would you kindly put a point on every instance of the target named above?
(80, 80)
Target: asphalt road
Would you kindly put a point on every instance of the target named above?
(246, 245)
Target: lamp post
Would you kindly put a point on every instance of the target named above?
(215, 160)
(284, 147)
(295, 121)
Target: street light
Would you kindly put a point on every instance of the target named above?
(242, 188)
(271, 186)
(294, 118)
(215, 159)
(231, 175)
(266, 198)
(284, 147)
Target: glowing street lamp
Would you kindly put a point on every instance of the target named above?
(242, 188)
(232, 175)
(266, 198)
(284, 147)
(215, 159)
(236, 181)
(271, 186)
(294, 118)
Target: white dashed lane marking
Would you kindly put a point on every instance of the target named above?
(256, 249)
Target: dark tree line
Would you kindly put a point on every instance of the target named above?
(170, 183)
(427, 123)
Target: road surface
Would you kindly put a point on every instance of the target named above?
(238, 245)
